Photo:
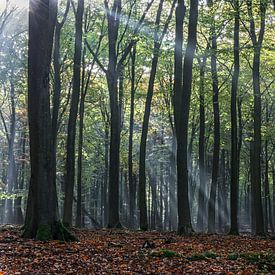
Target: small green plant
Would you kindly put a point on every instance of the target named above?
(210, 254)
(264, 261)
(233, 256)
(168, 253)
(196, 257)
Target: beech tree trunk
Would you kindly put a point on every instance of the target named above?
(216, 109)
(183, 85)
(130, 146)
(234, 180)
(257, 109)
(71, 135)
(202, 173)
(41, 215)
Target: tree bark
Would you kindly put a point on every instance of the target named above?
(70, 147)
(131, 131)
(41, 216)
(202, 188)
(257, 45)
(182, 107)
(234, 181)
(216, 108)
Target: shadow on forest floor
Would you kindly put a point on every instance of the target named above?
(127, 252)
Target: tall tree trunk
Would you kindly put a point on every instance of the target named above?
(78, 221)
(182, 107)
(131, 131)
(268, 211)
(172, 187)
(202, 187)
(19, 219)
(11, 173)
(70, 147)
(112, 81)
(257, 45)
(41, 216)
(57, 83)
(216, 108)
(234, 181)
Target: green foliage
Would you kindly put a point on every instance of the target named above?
(233, 256)
(210, 254)
(265, 260)
(197, 257)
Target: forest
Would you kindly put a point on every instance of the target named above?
(138, 128)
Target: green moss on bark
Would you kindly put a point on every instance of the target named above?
(44, 233)
(47, 232)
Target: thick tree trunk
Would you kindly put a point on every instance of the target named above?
(70, 147)
(41, 216)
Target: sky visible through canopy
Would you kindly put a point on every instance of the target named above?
(21, 4)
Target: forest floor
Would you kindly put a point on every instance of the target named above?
(126, 252)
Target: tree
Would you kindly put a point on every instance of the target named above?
(202, 173)
(234, 182)
(183, 85)
(216, 109)
(41, 215)
(257, 45)
(70, 149)
(132, 186)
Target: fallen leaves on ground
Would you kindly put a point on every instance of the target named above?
(127, 252)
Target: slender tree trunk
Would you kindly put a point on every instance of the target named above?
(145, 124)
(70, 148)
(257, 193)
(268, 211)
(202, 187)
(182, 107)
(57, 84)
(106, 169)
(19, 219)
(112, 80)
(234, 181)
(257, 45)
(78, 221)
(131, 131)
(216, 149)
(11, 173)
